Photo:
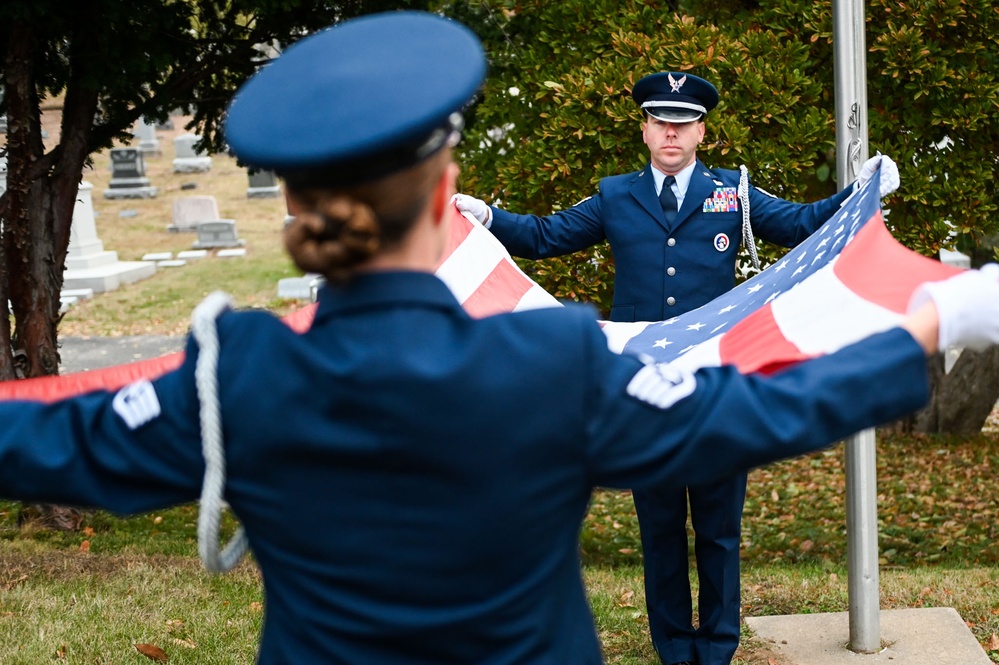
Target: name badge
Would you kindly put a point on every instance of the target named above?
(723, 199)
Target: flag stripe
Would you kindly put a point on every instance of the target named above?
(879, 269)
(758, 344)
(500, 291)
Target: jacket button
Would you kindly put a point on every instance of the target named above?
(671, 271)
(671, 242)
(671, 301)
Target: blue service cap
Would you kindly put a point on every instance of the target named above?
(359, 100)
(675, 96)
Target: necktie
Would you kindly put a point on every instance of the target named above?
(668, 199)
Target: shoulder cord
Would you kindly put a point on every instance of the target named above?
(203, 327)
(747, 229)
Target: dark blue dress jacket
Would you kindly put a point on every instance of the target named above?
(663, 270)
(413, 481)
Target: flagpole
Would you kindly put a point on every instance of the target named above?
(850, 70)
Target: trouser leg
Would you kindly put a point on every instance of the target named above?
(662, 517)
(716, 514)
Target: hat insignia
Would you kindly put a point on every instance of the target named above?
(674, 84)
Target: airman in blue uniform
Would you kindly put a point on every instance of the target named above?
(411, 480)
(675, 229)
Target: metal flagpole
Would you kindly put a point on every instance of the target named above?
(850, 67)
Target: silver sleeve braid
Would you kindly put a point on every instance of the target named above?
(203, 327)
(747, 229)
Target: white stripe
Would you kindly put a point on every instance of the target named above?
(536, 298)
(618, 333)
(822, 315)
(470, 264)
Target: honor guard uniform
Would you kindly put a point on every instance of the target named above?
(675, 249)
(412, 481)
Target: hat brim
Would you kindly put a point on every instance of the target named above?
(678, 116)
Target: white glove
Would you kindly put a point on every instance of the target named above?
(889, 174)
(476, 208)
(967, 305)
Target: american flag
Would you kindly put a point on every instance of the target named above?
(850, 279)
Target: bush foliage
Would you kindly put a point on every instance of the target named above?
(556, 113)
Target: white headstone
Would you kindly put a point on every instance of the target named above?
(189, 211)
(149, 144)
(88, 265)
(186, 158)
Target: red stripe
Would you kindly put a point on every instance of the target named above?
(879, 269)
(756, 344)
(461, 227)
(500, 292)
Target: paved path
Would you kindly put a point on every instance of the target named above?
(82, 353)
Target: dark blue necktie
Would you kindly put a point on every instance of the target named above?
(668, 199)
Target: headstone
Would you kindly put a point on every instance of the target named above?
(88, 265)
(3, 123)
(219, 233)
(193, 254)
(3, 174)
(165, 126)
(231, 253)
(263, 184)
(955, 258)
(146, 133)
(298, 288)
(189, 211)
(186, 158)
(128, 176)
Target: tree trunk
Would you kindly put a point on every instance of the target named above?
(37, 214)
(963, 398)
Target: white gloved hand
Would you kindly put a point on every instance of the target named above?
(476, 208)
(889, 174)
(967, 305)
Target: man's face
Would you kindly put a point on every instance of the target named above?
(672, 146)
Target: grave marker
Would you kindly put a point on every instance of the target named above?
(216, 234)
(128, 176)
(186, 158)
(189, 211)
(263, 184)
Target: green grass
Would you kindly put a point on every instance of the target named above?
(121, 581)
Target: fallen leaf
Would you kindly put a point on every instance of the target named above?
(992, 644)
(187, 642)
(85, 546)
(60, 653)
(152, 652)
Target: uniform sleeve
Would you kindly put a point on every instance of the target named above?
(786, 223)
(567, 231)
(657, 426)
(129, 451)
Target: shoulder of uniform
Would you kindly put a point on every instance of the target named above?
(726, 175)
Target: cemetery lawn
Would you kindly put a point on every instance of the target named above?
(92, 596)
